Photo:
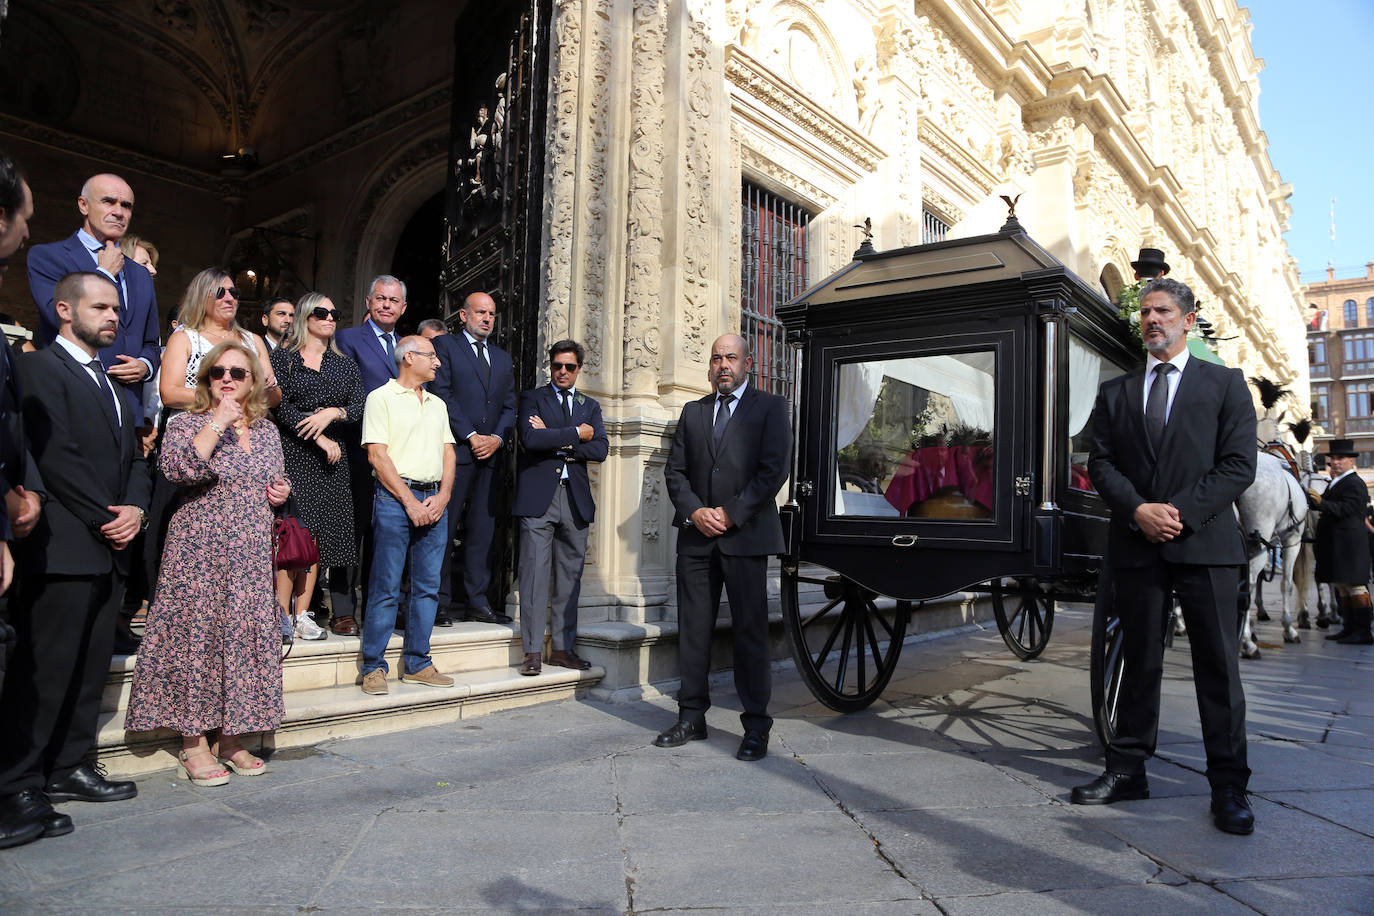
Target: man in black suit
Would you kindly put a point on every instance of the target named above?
(476, 379)
(73, 564)
(1173, 447)
(1342, 548)
(560, 431)
(134, 354)
(726, 464)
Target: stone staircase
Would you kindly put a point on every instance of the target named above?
(323, 699)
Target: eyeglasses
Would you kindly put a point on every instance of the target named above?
(237, 373)
(431, 355)
(566, 367)
(222, 290)
(323, 313)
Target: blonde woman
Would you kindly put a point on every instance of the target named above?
(211, 655)
(140, 251)
(322, 402)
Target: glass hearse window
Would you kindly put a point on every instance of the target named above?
(1087, 371)
(915, 437)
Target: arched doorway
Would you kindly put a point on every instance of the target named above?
(418, 260)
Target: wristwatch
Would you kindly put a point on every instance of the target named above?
(142, 520)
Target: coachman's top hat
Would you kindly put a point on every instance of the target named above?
(1343, 448)
(1151, 261)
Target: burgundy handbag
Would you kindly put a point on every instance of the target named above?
(292, 546)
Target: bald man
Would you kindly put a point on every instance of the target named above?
(106, 205)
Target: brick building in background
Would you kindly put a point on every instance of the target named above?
(1340, 355)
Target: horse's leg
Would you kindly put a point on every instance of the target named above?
(1304, 585)
(1248, 647)
(1291, 549)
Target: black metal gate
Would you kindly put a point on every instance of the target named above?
(493, 212)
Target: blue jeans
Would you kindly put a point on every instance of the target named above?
(393, 538)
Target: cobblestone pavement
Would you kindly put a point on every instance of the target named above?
(947, 796)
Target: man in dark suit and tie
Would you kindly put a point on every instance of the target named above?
(72, 566)
(560, 431)
(1173, 447)
(477, 381)
(107, 207)
(726, 464)
(372, 345)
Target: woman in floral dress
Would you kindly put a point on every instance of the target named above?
(211, 654)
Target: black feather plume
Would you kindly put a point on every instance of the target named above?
(1270, 392)
(1301, 430)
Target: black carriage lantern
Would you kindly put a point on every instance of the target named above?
(941, 408)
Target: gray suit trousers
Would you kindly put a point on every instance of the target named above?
(552, 550)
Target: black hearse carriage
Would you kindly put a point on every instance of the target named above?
(941, 407)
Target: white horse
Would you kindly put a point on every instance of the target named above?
(1272, 512)
(1315, 600)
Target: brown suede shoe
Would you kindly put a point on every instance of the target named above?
(430, 677)
(532, 665)
(374, 683)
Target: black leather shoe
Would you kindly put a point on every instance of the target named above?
(31, 807)
(569, 659)
(1231, 811)
(442, 619)
(18, 827)
(681, 733)
(487, 615)
(88, 783)
(1111, 787)
(126, 642)
(753, 747)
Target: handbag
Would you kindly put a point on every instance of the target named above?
(292, 546)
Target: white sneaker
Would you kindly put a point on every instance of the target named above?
(307, 629)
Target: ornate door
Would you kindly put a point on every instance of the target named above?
(493, 213)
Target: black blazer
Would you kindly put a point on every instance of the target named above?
(488, 408)
(87, 463)
(1342, 548)
(743, 478)
(1207, 459)
(544, 452)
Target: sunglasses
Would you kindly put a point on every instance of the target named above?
(237, 373)
(222, 290)
(566, 367)
(323, 313)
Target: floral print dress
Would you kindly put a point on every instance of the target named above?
(211, 653)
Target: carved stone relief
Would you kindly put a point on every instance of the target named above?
(699, 177)
(561, 160)
(644, 246)
(650, 502)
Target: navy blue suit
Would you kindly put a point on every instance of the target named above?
(139, 330)
(362, 345)
(474, 406)
(542, 457)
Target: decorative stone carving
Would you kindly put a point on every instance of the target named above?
(650, 503)
(596, 213)
(177, 15)
(699, 179)
(644, 245)
(942, 205)
(263, 16)
(561, 163)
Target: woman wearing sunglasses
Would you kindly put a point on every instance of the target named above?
(211, 656)
(322, 401)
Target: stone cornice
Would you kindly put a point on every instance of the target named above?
(956, 155)
(760, 83)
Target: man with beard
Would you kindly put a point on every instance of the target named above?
(726, 464)
(276, 321)
(1173, 447)
(71, 566)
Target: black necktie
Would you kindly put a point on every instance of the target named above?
(567, 403)
(1156, 408)
(722, 417)
(99, 369)
(389, 347)
(482, 365)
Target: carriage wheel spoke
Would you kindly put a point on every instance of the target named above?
(822, 655)
(844, 649)
(829, 606)
(873, 643)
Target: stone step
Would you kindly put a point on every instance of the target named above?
(337, 660)
(342, 710)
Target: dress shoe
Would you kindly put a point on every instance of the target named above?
(17, 833)
(681, 733)
(429, 676)
(1112, 787)
(126, 642)
(532, 664)
(487, 615)
(29, 807)
(344, 626)
(88, 783)
(1231, 811)
(569, 659)
(754, 746)
(442, 619)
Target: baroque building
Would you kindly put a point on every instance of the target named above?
(1340, 356)
(684, 167)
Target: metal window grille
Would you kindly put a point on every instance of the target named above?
(774, 268)
(933, 229)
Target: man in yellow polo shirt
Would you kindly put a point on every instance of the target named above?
(410, 447)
